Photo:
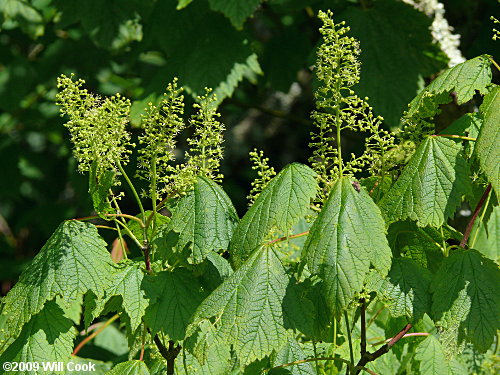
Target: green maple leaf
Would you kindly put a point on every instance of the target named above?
(134, 367)
(208, 348)
(348, 235)
(433, 361)
(464, 79)
(126, 282)
(488, 236)
(406, 289)
(174, 297)
(111, 24)
(73, 262)
(424, 245)
(468, 125)
(47, 337)
(486, 146)
(466, 302)
(305, 308)
(236, 11)
(203, 49)
(431, 185)
(292, 352)
(204, 219)
(248, 307)
(390, 77)
(285, 199)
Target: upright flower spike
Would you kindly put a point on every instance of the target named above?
(161, 125)
(97, 126)
(264, 171)
(338, 107)
(205, 146)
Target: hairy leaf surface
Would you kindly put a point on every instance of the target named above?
(280, 205)
(248, 307)
(406, 289)
(431, 186)
(348, 236)
(205, 220)
(72, 262)
(47, 337)
(488, 141)
(174, 297)
(292, 352)
(134, 367)
(466, 302)
(464, 79)
(126, 282)
(208, 348)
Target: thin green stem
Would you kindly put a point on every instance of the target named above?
(104, 227)
(494, 63)
(339, 147)
(122, 242)
(111, 215)
(136, 196)
(153, 194)
(117, 206)
(349, 338)
(315, 355)
(338, 124)
(129, 233)
(333, 370)
(445, 247)
(141, 223)
(456, 137)
(153, 202)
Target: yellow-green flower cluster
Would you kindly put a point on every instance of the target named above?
(264, 171)
(97, 126)
(161, 126)
(496, 33)
(338, 107)
(205, 146)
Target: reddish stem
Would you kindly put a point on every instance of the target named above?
(287, 237)
(474, 216)
(369, 357)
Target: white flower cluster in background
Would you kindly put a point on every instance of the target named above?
(442, 32)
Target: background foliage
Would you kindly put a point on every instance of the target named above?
(256, 55)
